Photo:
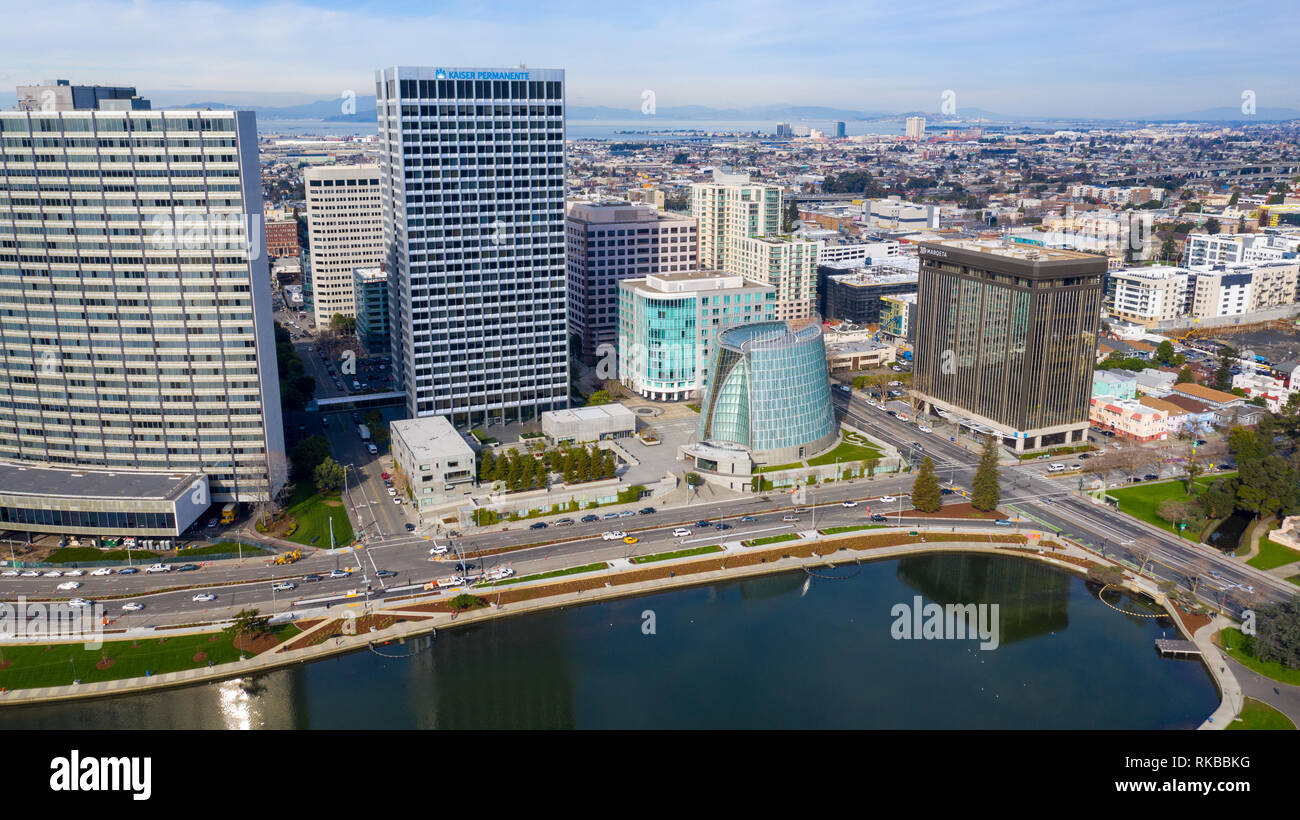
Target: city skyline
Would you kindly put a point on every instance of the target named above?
(997, 56)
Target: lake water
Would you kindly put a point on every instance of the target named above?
(763, 652)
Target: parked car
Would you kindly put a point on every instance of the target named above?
(54, 573)
(127, 571)
(159, 568)
(187, 567)
(31, 573)
(564, 522)
(587, 519)
(103, 571)
(540, 525)
(1150, 476)
(646, 511)
(626, 514)
(10, 573)
(610, 515)
(74, 573)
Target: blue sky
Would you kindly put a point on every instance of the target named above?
(1097, 58)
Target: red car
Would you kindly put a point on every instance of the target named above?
(383, 475)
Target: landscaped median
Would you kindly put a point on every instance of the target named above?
(667, 556)
(541, 576)
(771, 539)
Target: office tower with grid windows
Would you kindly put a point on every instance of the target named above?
(473, 207)
(135, 310)
(344, 232)
(1006, 338)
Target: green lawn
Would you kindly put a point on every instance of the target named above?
(771, 539)
(69, 555)
(664, 556)
(1273, 554)
(846, 452)
(36, 666)
(1232, 639)
(1258, 715)
(851, 528)
(773, 468)
(313, 513)
(223, 548)
(555, 573)
(1141, 501)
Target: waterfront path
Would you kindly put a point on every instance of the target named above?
(1224, 676)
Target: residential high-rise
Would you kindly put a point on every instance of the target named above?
(473, 208)
(841, 130)
(345, 231)
(1006, 337)
(740, 232)
(611, 241)
(915, 128)
(136, 322)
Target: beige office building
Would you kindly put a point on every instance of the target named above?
(345, 231)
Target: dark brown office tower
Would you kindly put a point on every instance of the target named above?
(1006, 337)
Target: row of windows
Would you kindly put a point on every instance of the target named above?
(99, 519)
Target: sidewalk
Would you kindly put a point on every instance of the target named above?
(1229, 687)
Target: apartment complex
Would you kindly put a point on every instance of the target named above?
(345, 231)
(1006, 336)
(1148, 296)
(668, 324)
(1137, 195)
(609, 242)
(1203, 249)
(1231, 290)
(137, 329)
(915, 128)
(740, 232)
(473, 209)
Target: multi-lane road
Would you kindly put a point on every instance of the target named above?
(1037, 501)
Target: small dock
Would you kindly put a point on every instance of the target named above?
(1177, 649)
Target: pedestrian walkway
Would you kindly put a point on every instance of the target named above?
(1224, 677)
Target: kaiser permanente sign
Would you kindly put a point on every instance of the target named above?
(458, 74)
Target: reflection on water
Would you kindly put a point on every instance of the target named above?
(751, 653)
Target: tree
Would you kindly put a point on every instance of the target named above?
(871, 464)
(343, 324)
(1278, 638)
(375, 421)
(1212, 225)
(486, 464)
(1165, 352)
(599, 397)
(328, 475)
(1185, 376)
(985, 490)
(248, 622)
(925, 490)
(309, 452)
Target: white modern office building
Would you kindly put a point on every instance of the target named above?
(345, 231)
(472, 163)
(135, 305)
(893, 213)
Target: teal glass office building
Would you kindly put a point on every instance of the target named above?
(769, 392)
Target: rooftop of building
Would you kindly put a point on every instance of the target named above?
(1207, 394)
(618, 210)
(1166, 407)
(593, 413)
(430, 437)
(1018, 252)
(372, 274)
(690, 281)
(1187, 403)
(52, 482)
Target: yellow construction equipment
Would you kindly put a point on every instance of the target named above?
(288, 557)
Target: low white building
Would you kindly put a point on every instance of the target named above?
(437, 461)
(584, 424)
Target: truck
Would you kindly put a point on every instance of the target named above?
(364, 432)
(228, 513)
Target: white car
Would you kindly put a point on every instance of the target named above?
(132, 607)
(10, 573)
(283, 586)
(612, 535)
(74, 573)
(31, 573)
(391, 491)
(103, 571)
(924, 428)
(160, 568)
(54, 573)
(69, 585)
(849, 504)
(80, 602)
(887, 499)
(681, 532)
(440, 549)
(204, 597)
(397, 500)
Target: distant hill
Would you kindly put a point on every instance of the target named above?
(1232, 114)
(330, 110)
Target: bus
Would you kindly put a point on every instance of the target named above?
(228, 513)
